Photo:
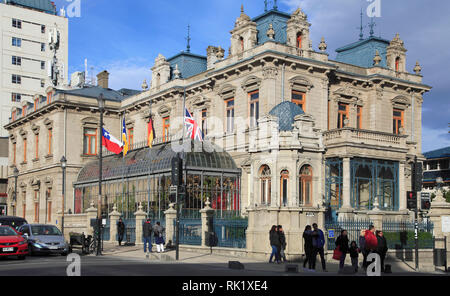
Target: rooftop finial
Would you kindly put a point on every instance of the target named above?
(275, 6)
(265, 5)
(361, 35)
(188, 48)
(242, 8)
(372, 25)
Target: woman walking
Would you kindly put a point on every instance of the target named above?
(159, 239)
(309, 248)
(342, 244)
(282, 243)
(275, 243)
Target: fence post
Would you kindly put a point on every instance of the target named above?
(91, 213)
(206, 213)
(113, 219)
(140, 218)
(171, 215)
(376, 216)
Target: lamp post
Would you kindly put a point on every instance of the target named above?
(101, 108)
(63, 166)
(16, 175)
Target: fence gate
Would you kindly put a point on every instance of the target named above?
(130, 230)
(353, 227)
(190, 231)
(106, 231)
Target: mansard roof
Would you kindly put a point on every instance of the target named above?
(41, 5)
(189, 64)
(94, 92)
(362, 52)
(439, 153)
(278, 20)
(286, 112)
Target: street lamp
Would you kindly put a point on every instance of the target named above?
(439, 183)
(16, 175)
(63, 166)
(101, 108)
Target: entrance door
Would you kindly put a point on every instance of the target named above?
(3, 210)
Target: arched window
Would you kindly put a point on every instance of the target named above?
(397, 64)
(299, 40)
(158, 80)
(305, 185)
(284, 187)
(241, 40)
(265, 180)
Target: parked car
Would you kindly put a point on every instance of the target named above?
(44, 239)
(14, 222)
(12, 243)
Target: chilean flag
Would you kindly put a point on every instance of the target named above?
(111, 143)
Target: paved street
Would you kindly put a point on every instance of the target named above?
(130, 261)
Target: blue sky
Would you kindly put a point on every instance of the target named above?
(125, 37)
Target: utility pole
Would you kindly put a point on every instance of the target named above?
(416, 209)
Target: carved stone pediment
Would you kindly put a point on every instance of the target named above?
(347, 92)
(252, 83)
(164, 111)
(227, 91)
(23, 133)
(300, 83)
(13, 138)
(201, 101)
(35, 128)
(48, 123)
(401, 100)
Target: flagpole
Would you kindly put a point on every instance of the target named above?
(150, 164)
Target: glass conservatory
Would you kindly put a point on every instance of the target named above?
(144, 176)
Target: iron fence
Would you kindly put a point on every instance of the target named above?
(401, 234)
(130, 230)
(190, 231)
(353, 227)
(106, 231)
(231, 232)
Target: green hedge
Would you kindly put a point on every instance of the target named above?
(406, 240)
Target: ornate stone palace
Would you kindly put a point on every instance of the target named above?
(296, 135)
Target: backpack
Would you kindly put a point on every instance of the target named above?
(371, 240)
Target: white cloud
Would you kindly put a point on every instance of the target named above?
(433, 139)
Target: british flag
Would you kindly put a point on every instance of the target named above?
(193, 130)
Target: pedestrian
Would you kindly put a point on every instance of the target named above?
(309, 248)
(342, 243)
(319, 243)
(371, 242)
(362, 248)
(274, 239)
(354, 255)
(120, 231)
(381, 247)
(282, 243)
(158, 231)
(147, 232)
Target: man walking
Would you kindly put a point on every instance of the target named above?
(318, 244)
(282, 242)
(120, 231)
(381, 247)
(147, 232)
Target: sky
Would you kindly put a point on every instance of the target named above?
(124, 37)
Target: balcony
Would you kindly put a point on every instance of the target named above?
(364, 139)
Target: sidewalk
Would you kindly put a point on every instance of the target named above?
(250, 264)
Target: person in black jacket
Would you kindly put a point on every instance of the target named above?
(282, 243)
(147, 233)
(381, 247)
(275, 243)
(342, 243)
(309, 247)
(120, 231)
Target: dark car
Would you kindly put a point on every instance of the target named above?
(14, 222)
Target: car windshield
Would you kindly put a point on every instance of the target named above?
(45, 230)
(7, 231)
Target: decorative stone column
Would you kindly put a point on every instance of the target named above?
(91, 213)
(439, 209)
(113, 219)
(401, 187)
(346, 209)
(140, 216)
(206, 212)
(376, 215)
(171, 215)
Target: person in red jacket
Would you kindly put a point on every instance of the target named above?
(371, 243)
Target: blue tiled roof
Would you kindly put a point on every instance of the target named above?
(286, 112)
(189, 64)
(439, 153)
(361, 53)
(279, 21)
(42, 5)
(94, 92)
(433, 175)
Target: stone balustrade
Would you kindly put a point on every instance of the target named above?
(352, 135)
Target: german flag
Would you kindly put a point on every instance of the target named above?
(151, 132)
